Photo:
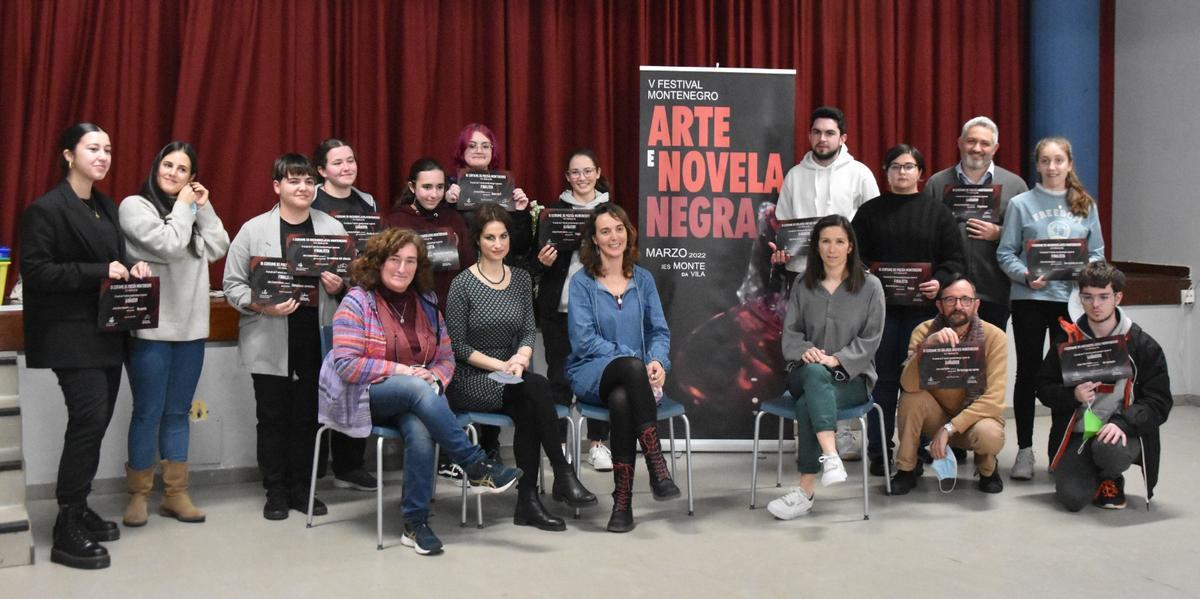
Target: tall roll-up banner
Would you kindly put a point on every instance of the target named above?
(716, 144)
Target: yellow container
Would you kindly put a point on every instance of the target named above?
(3, 280)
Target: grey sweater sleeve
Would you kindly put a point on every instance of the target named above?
(795, 340)
(858, 356)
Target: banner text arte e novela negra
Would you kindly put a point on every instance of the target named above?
(715, 144)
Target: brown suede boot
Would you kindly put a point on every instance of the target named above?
(176, 503)
(140, 482)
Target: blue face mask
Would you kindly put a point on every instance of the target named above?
(946, 468)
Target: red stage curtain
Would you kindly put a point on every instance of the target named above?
(245, 81)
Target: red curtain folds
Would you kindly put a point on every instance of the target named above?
(245, 81)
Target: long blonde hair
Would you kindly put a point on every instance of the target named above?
(1078, 199)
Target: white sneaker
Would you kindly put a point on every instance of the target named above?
(1023, 467)
(792, 505)
(600, 457)
(849, 443)
(832, 471)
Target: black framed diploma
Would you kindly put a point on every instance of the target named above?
(310, 255)
(793, 235)
(270, 281)
(1055, 259)
(477, 188)
(441, 245)
(360, 227)
(902, 280)
(973, 201)
(945, 367)
(1103, 360)
(128, 305)
(562, 227)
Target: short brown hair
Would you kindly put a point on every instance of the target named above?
(364, 271)
(588, 254)
(1101, 274)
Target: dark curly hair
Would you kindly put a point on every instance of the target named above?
(364, 271)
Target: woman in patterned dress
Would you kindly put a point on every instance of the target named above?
(489, 315)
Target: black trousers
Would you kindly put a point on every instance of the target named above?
(531, 407)
(558, 347)
(1031, 320)
(287, 415)
(1080, 471)
(995, 314)
(90, 395)
(625, 389)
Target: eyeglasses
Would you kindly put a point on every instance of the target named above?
(577, 173)
(964, 301)
(907, 167)
(479, 146)
(1101, 298)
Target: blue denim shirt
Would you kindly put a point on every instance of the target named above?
(601, 329)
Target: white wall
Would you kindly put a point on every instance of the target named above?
(1156, 154)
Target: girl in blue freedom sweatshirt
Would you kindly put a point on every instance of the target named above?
(1042, 213)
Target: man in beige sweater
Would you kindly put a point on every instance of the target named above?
(969, 416)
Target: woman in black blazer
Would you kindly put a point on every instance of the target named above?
(70, 242)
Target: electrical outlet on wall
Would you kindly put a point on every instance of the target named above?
(1187, 297)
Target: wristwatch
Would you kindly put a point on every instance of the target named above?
(949, 426)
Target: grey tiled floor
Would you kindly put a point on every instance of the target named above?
(966, 544)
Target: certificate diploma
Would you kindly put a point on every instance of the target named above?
(360, 227)
(270, 281)
(901, 281)
(793, 235)
(945, 367)
(477, 188)
(562, 227)
(1055, 259)
(441, 245)
(973, 201)
(310, 255)
(128, 305)
(1103, 360)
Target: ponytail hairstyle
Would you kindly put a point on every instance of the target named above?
(1078, 199)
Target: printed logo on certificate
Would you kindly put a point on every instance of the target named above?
(128, 305)
(945, 367)
(441, 245)
(1103, 360)
(562, 227)
(980, 202)
(310, 255)
(1055, 259)
(477, 188)
(902, 280)
(793, 235)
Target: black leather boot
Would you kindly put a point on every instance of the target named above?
(531, 512)
(568, 489)
(99, 528)
(73, 546)
(660, 478)
(622, 511)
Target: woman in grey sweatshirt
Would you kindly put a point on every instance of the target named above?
(171, 225)
(833, 326)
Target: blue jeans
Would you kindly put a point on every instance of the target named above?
(163, 377)
(424, 418)
(889, 363)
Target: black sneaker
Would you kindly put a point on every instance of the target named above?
(1111, 494)
(276, 507)
(359, 480)
(99, 528)
(991, 484)
(904, 481)
(960, 454)
(299, 502)
(447, 469)
(420, 537)
(492, 477)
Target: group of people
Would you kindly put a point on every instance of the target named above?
(845, 339)
(410, 343)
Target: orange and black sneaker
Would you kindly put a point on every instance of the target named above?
(1111, 494)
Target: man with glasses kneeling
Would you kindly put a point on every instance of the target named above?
(966, 414)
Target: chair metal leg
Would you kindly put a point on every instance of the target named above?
(379, 492)
(779, 457)
(312, 480)
(671, 431)
(754, 460)
(687, 434)
(472, 436)
(887, 468)
(862, 423)
(579, 422)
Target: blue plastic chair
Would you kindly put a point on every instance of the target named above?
(668, 410)
(784, 407)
